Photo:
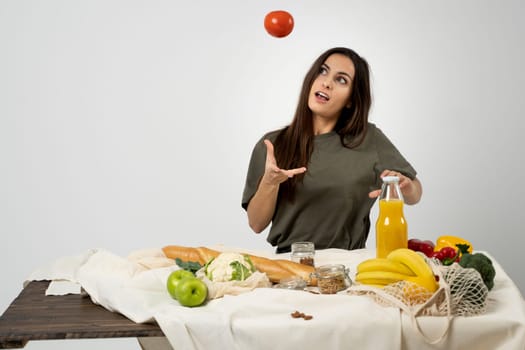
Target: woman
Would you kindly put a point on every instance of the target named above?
(317, 179)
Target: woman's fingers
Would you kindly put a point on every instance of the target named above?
(270, 156)
(275, 173)
(293, 172)
(281, 175)
(405, 183)
(374, 194)
(403, 180)
(388, 172)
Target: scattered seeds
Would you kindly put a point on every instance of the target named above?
(298, 314)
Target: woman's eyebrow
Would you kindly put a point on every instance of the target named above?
(340, 72)
(348, 75)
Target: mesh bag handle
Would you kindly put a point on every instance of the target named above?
(461, 292)
(392, 296)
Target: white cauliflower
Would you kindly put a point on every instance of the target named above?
(229, 267)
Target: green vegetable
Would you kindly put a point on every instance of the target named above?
(229, 267)
(192, 266)
(240, 272)
(249, 261)
(463, 248)
(482, 264)
(208, 274)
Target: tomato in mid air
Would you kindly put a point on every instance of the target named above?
(278, 23)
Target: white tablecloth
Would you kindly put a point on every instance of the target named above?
(261, 319)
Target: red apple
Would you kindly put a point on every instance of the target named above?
(427, 248)
(414, 244)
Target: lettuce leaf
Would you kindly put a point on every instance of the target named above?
(249, 261)
(208, 274)
(240, 272)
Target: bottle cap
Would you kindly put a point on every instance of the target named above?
(391, 179)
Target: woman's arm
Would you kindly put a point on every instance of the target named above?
(262, 205)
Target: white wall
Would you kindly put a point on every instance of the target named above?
(129, 124)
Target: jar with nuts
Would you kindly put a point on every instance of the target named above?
(303, 252)
(332, 278)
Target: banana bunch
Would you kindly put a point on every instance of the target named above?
(400, 265)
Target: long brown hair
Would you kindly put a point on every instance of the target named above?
(294, 144)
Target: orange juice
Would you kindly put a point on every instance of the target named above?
(391, 227)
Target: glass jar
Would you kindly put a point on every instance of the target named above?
(332, 278)
(391, 227)
(296, 283)
(303, 253)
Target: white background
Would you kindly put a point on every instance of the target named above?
(129, 124)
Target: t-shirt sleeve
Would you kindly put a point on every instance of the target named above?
(390, 157)
(255, 172)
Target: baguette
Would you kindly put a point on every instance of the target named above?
(275, 269)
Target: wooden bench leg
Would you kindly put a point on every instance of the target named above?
(13, 344)
(154, 343)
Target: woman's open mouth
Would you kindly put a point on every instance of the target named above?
(322, 96)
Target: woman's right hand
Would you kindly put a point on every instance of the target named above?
(262, 205)
(273, 175)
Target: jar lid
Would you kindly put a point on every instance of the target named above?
(291, 283)
(330, 268)
(303, 245)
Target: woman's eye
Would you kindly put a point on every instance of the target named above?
(323, 71)
(342, 80)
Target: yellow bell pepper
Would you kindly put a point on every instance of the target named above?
(451, 241)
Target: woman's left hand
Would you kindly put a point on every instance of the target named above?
(411, 189)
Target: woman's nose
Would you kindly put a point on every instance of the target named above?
(326, 83)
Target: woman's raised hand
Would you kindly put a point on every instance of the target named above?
(273, 175)
(262, 205)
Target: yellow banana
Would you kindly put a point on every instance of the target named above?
(382, 264)
(383, 278)
(428, 283)
(416, 263)
(380, 277)
(374, 283)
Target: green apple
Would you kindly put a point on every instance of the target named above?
(191, 291)
(174, 279)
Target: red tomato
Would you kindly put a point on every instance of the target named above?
(438, 255)
(448, 252)
(278, 23)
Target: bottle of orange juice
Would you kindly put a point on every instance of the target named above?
(391, 227)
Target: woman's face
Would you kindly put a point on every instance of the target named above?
(330, 91)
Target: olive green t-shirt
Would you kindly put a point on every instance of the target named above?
(331, 206)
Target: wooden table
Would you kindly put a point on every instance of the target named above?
(35, 316)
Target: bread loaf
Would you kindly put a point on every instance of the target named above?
(275, 269)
